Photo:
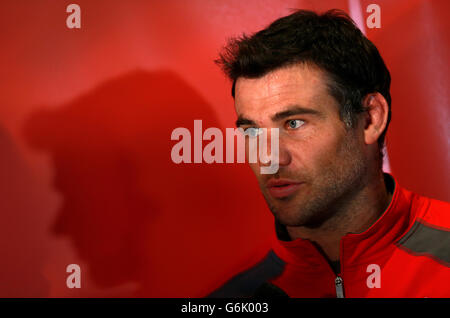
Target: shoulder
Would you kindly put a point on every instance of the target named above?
(248, 282)
(432, 211)
(429, 235)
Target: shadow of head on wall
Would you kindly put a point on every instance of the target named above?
(111, 148)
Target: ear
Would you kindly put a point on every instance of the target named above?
(376, 116)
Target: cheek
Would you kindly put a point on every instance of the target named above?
(337, 154)
(315, 153)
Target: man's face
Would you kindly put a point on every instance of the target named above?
(321, 161)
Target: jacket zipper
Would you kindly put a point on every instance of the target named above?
(338, 281)
(339, 284)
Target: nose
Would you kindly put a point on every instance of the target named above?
(265, 158)
(284, 155)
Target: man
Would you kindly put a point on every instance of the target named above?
(343, 227)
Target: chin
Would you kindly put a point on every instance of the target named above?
(288, 216)
(294, 215)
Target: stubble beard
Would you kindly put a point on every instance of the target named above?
(326, 195)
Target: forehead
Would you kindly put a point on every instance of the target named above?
(298, 84)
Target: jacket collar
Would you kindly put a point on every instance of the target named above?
(358, 248)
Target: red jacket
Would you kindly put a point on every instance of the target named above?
(405, 253)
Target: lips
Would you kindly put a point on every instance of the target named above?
(282, 188)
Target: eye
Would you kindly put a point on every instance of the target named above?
(252, 131)
(295, 123)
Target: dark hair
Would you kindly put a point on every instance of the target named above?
(331, 41)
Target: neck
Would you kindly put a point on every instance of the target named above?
(354, 216)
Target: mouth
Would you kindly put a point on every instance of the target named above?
(282, 188)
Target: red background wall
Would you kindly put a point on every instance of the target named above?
(85, 122)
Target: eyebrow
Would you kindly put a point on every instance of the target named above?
(244, 121)
(292, 110)
(296, 110)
